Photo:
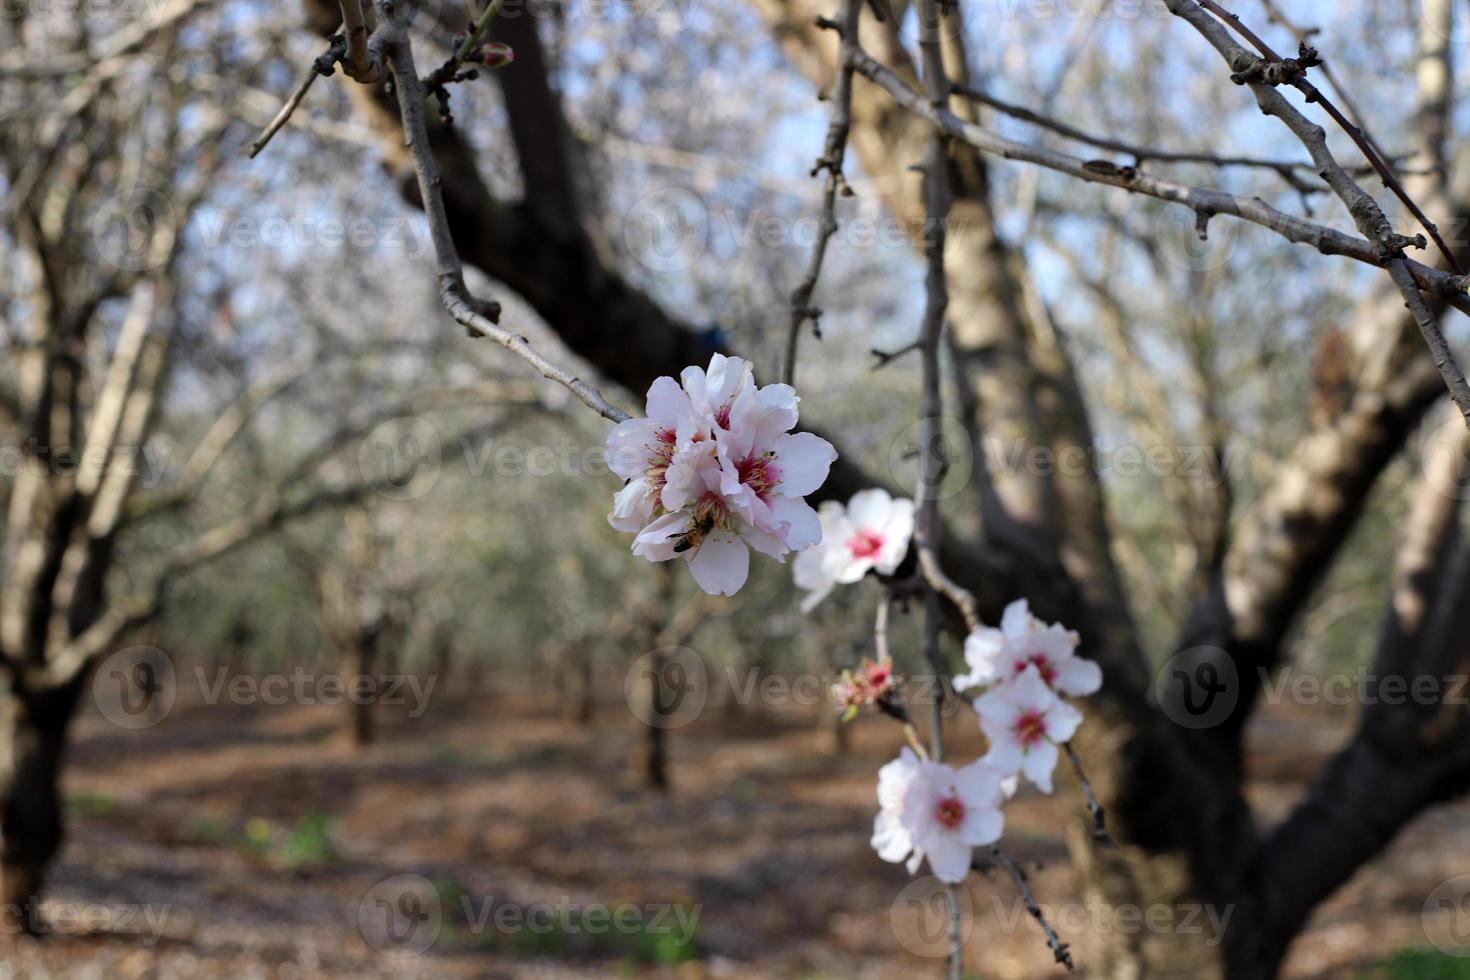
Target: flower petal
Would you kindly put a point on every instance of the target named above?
(890, 839)
(983, 825)
(667, 402)
(1015, 622)
(632, 506)
(1078, 677)
(949, 857)
(802, 529)
(720, 564)
(1040, 760)
(869, 509)
(804, 460)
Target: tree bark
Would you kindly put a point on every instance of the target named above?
(34, 743)
(361, 658)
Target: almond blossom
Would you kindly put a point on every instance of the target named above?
(869, 684)
(714, 470)
(870, 534)
(1025, 721)
(932, 810)
(995, 655)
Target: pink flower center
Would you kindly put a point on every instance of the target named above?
(760, 474)
(950, 812)
(722, 416)
(865, 544)
(1030, 728)
(658, 462)
(1043, 664)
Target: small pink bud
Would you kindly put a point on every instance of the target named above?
(496, 54)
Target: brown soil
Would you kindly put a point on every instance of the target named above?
(252, 836)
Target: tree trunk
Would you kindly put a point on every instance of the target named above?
(31, 752)
(360, 662)
(579, 706)
(655, 759)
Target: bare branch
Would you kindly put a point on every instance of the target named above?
(835, 149)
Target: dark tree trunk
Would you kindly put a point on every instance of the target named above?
(34, 734)
(841, 731)
(577, 698)
(361, 659)
(655, 759)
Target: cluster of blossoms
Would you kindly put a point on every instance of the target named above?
(715, 470)
(870, 534)
(1026, 667)
(928, 809)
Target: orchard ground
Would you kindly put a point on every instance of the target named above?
(256, 841)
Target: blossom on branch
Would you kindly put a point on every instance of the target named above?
(869, 684)
(870, 534)
(932, 810)
(995, 655)
(714, 470)
(1025, 721)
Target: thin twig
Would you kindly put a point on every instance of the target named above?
(478, 317)
(1364, 143)
(884, 358)
(284, 115)
(450, 68)
(1099, 815)
(937, 200)
(358, 61)
(1140, 154)
(880, 630)
(1059, 949)
(833, 153)
(1303, 35)
(1206, 202)
(1366, 213)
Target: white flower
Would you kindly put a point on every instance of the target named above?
(932, 810)
(1025, 721)
(871, 533)
(714, 470)
(996, 655)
